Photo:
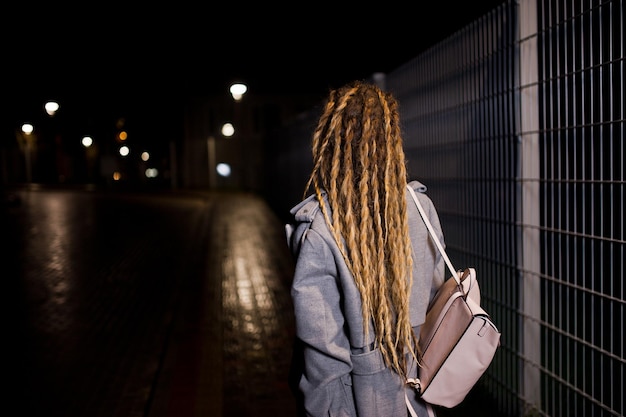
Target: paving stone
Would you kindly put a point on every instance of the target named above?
(148, 305)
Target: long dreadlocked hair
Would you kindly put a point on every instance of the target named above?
(359, 161)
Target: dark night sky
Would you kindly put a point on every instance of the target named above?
(131, 57)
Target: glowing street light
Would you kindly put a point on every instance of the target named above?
(51, 107)
(237, 90)
(223, 169)
(228, 130)
(87, 141)
(27, 128)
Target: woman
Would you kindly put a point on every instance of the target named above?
(365, 266)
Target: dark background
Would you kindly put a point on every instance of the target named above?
(126, 57)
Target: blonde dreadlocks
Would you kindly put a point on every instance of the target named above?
(359, 161)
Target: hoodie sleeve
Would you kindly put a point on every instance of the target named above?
(320, 325)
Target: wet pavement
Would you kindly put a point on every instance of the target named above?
(147, 305)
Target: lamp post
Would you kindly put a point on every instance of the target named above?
(54, 161)
(211, 156)
(26, 139)
(91, 154)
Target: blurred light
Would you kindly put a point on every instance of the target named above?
(152, 172)
(238, 90)
(228, 130)
(122, 135)
(124, 151)
(117, 176)
(27, 128)
(145, 156)
(223, 169)
(87, 141)
(51, 107)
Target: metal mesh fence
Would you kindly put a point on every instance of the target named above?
(581, 97)
(460, 111)
(516, 124)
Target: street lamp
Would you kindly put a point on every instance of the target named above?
(51, 107)
(237, 90)
(87, 141)
(27, 137)
(228, 129)
(27, 128)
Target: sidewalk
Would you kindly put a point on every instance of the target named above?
(246, 253)
(146, 305)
